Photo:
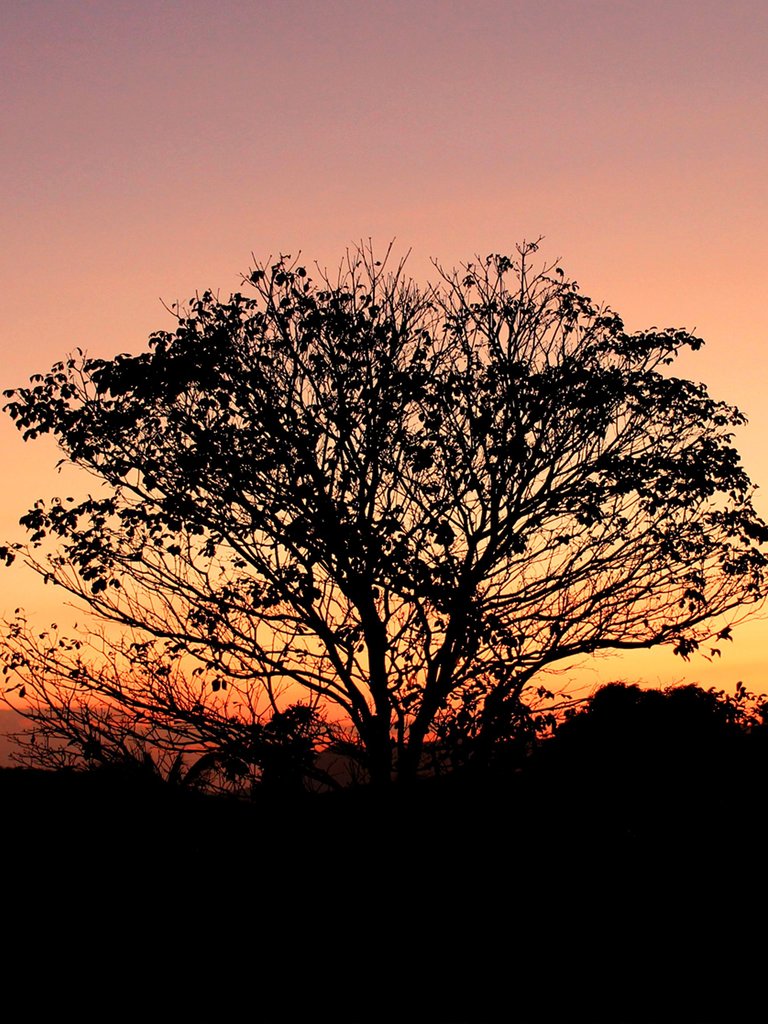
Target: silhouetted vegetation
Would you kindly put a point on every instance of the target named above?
(606, 877)
(197, 743)
(663, 766)
(403, 503)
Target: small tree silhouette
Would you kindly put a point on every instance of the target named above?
(404, 502)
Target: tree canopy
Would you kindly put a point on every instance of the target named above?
(399, 501)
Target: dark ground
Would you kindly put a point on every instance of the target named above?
(576, 890)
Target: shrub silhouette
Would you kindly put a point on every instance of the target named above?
(678, 765)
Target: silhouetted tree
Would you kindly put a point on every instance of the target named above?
(676, 759)
(636, 727)
(405, 502)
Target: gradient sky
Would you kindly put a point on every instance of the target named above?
(150, 147)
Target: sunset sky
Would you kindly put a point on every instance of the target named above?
(150, 147)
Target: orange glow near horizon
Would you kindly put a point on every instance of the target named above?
(152, 149)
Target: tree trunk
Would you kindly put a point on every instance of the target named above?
(378, 751)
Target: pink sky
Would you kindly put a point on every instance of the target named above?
(149, 148)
